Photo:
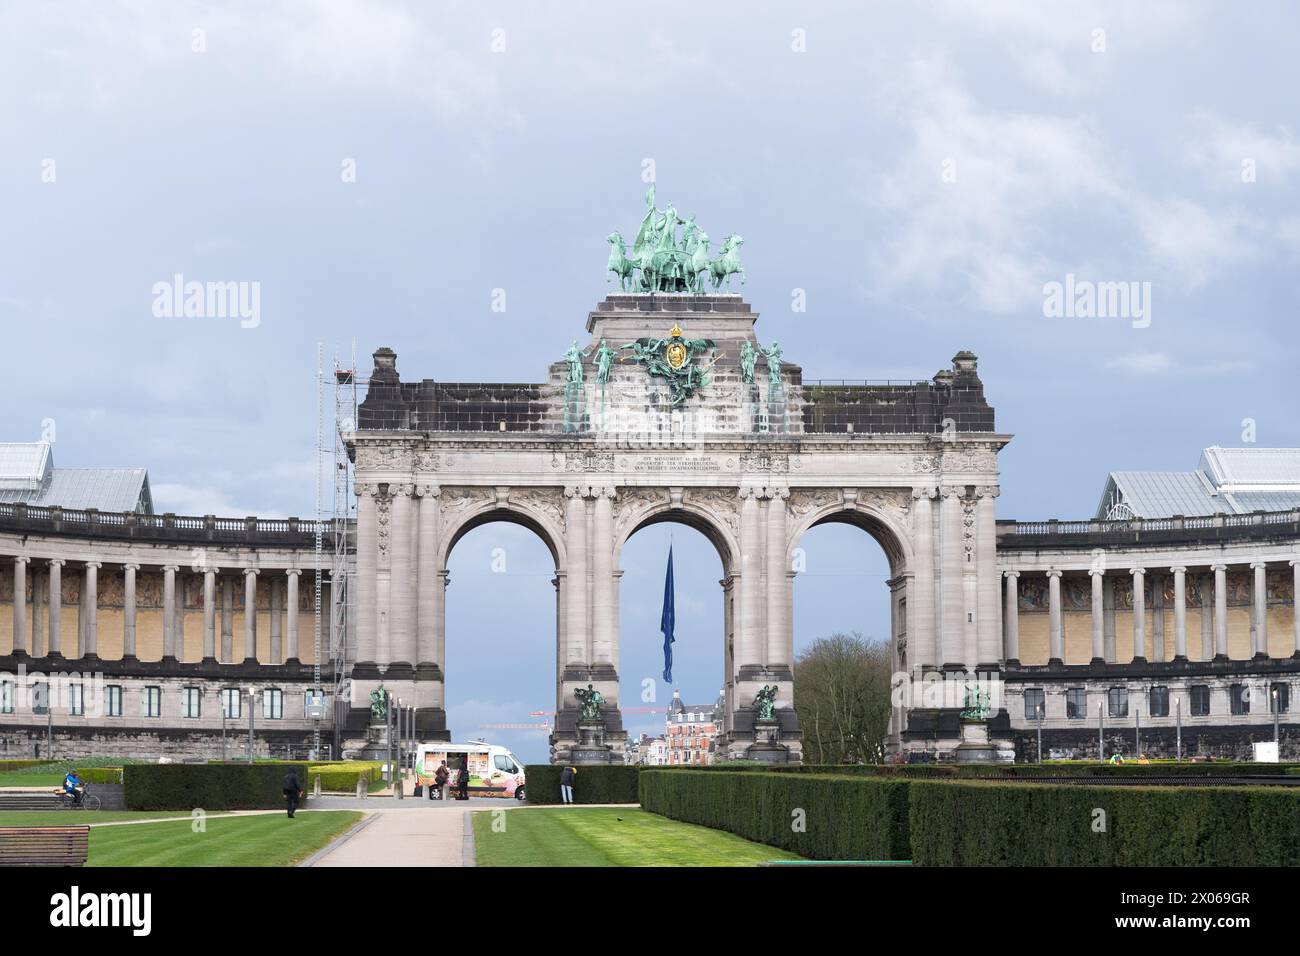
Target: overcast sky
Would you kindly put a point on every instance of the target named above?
(920, 171)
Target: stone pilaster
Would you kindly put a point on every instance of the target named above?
(1259, 602)
(169, 612)
(986, 560)
(292, 649)
(401, 594)
(209, 613)
(577, 598)
(953, 626)
(780, 643)
(752, 637)
(1220, 611)
(920, 598)
(604, 625)
(367, 650)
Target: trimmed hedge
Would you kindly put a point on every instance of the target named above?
(343, 777)
(110, 775)
(843, 818)
(1007, 824)
(8, 765)
(178, 786)
(612, 783)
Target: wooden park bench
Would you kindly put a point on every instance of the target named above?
(44, 846)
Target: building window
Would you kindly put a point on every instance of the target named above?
(113, 700)
(153, 702)
(1279, 698)
(7, 695)
(1076, 703)
(77, 700)
(1239, 698)
(230, 702)
(1159, 701)
(40, 698)
(1117, 702)
(191, 702)
(1200, 700)
(1035, 703)
(272, 703)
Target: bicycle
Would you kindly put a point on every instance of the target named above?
(89, 801)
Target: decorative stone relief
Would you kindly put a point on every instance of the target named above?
(633, 504)
(457, 501)
(969, 459)
(545, 501)
(764, 461)
(589, 461)
(805, 501)
(383, 526)
(426, 461)
(722, 503)
(384, 457)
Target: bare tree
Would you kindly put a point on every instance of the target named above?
(841, 693)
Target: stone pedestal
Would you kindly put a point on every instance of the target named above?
(376, 747)
(767, 745)
(976, 745)
(591, 747)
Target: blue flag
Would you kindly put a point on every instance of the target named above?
(667, 621)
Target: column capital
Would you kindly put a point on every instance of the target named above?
(604, 491)
(1137, 572)
(171, 568)
(987, 491)
(57, 562)
(130, 566)
(401, 490)
(576, 491)
(1012, 575)
(21, 559)
(92, 563)
(1178, 569)
(1053, 573)
(428, 491)
(252, 571)
(750, 491)
(366, 489)
(1219, 567)
(924, 491)
(952, 491)
(293, 572)
(1294, 562)
(776, 492)
(1257, 565)
(1097, 572)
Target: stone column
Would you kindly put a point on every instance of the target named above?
(576, 600)
(54, 646)
(1259, 599)
(1055, 624)
(1139, 614)
(209, 614)
(1180, 613)
(277, 633)
(752, 643)
(953, 626)
(1220, 611)
(292, 650)
(1011, 617)
(1108, 612)
(1157, 617)
(20, 604)
(250, 615)
(920, 605)
(40, 601)
(401, 614)
(92, 610)
(428, 611)
(169, 612)
(986, 561)
(1295, 607)
(780, 642)
(366, 646)
(1098, 576)
(603, 622)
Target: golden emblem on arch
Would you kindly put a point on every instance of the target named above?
(675, 353)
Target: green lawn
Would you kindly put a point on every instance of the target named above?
(264, 840)
(80, 818)
(601, 836)
(32, 778)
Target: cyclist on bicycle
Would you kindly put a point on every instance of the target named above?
(73, 787)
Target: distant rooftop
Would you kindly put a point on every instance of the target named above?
(28, 476)
(1227, 481)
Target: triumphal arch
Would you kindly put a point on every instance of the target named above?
(673, 407)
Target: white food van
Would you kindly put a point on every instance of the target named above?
(493, 771)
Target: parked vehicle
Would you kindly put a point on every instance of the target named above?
(493, 771)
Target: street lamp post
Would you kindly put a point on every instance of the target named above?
(224, 708)
(1101, 734)
(1277, 739)
(1040, 733)
(1178, 724)
(252, 696)
(397, 752)
(1137, 733)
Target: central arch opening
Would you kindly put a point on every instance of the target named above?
(674, 721)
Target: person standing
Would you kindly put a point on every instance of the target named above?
(440, 778)
(292, 790)
(462, 781)
(568, 776)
